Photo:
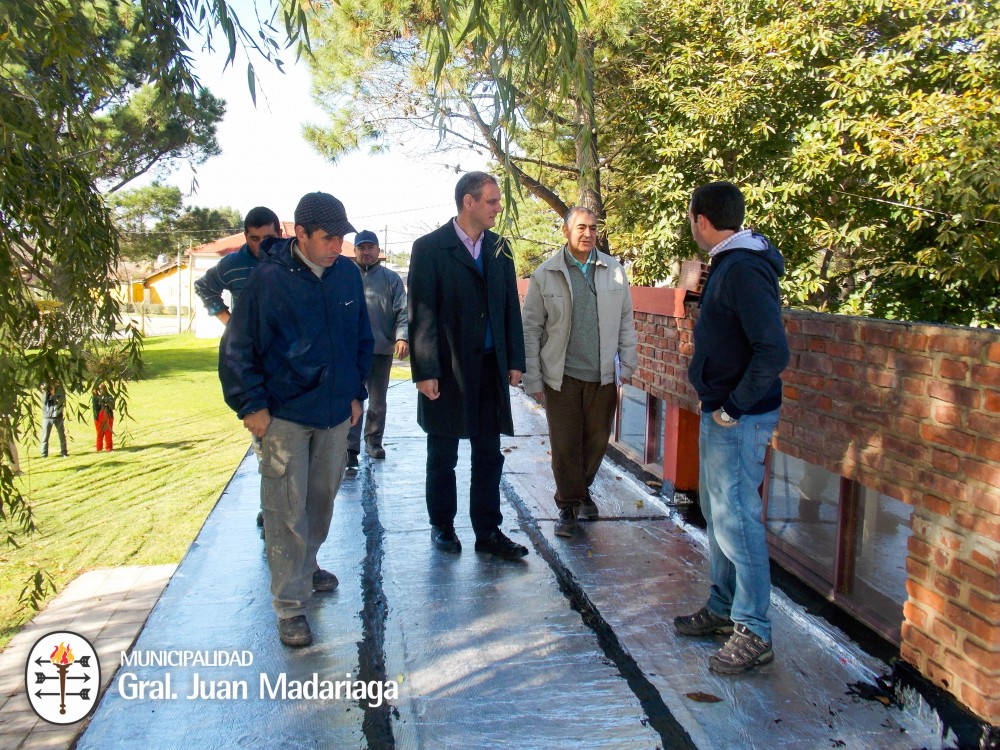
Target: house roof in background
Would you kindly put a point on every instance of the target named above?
(161, 273)
(232, 243)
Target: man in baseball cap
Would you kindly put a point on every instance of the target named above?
(293, 363)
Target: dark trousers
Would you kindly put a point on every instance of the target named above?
(580, 416)
(374, 416)
(487, 465)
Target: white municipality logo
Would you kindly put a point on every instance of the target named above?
(62, 677)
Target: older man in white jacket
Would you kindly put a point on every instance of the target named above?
(577, 320)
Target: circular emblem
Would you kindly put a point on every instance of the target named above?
(62, 677)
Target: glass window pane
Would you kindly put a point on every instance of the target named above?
(659, 419)
(633, 425)
(883, 531)
(802, 511)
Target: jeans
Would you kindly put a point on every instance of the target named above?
(731, 471)
(374, 416)
(47, 424)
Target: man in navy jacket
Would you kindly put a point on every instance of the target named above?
(292, 365)
(740, 350)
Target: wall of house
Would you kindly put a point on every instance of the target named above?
(908, 410)
(162, 290)
(206, 326)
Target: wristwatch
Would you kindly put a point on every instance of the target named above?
(724, 416)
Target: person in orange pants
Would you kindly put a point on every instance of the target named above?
(104, 416)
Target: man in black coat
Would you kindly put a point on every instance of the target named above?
(466, 346)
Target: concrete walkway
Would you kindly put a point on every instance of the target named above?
(108, 607)
(572, 647)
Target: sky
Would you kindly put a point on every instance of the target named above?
(399, 195)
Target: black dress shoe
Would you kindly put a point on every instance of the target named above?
(495, 543)
(351, 469)
(445, 539)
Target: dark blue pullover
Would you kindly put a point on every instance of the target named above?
(740, 347)
(296, 344)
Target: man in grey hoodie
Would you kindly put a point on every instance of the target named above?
(740, 350)
(385, 296)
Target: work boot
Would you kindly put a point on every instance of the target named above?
(294, 631)
(376, 451)
(588, 510)
(743, 651)
(703, 622)
(324, 580)
(566, 524)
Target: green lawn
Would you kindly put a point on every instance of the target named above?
(142, 504)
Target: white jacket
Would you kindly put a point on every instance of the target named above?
(547, 317)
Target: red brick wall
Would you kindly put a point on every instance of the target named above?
(909, 410)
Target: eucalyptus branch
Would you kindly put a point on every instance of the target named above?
(150, 163)
(552, 115)
(545, 164)
(41, 269)
(533, 186)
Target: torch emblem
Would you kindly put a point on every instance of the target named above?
(62, 677)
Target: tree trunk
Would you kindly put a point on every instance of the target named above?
(586, 140)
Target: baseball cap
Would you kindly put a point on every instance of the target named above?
(325, 211)
(366, 235)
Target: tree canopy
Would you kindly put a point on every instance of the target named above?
(153, 220)
(860, 131)
(72, 79)
(520, 90)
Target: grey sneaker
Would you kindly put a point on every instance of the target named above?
(566, 525)
(703, 622)
(743, 651)
(588, 510)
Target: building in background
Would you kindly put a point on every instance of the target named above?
(204, 257)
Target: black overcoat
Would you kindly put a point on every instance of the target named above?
(448, 304)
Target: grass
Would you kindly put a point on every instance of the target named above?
(143, 503)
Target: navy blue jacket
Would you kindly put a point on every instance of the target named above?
(740, 347)
(297, 345)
